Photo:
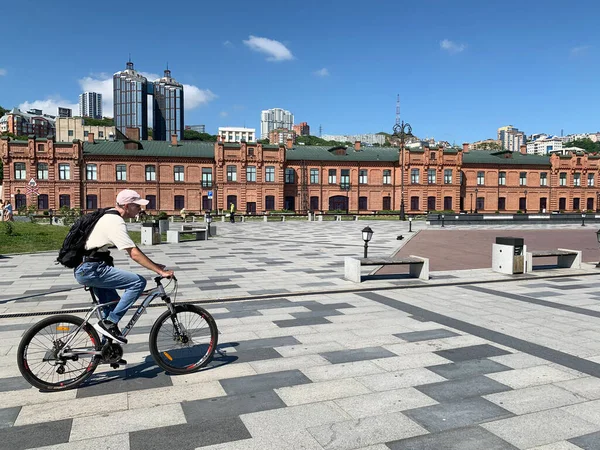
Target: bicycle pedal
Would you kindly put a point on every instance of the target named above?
(114, 366)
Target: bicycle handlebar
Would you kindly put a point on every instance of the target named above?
(159, 278)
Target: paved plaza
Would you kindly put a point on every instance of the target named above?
(471, 359)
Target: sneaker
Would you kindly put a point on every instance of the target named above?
(110, 330)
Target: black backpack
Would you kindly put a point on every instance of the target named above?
(73, 248)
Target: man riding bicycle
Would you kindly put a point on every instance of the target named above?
(97, 270)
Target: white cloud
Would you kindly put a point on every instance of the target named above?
(102, 83)
(223, 114)
(275, 49)
(228, 44)
(2, 72)
(50, 105)
(579, 51)
(452, 47)
(321, 72)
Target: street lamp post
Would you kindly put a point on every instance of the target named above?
(346, 187)
(476, 191)
(402, 130)
(598, 238)
(598, 201)
(525, 192)
(367, 234)
(583, 220)
(410, 224)
(471, 210)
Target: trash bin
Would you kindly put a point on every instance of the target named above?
(150, 233)
(508, 255)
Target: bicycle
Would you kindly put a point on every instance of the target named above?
(61, 352)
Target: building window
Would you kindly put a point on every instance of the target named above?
(543, 178)
(179, 202)
(269, 202)
(20, 201)
(91, 172)
(91, 202)
(270, 174)
(314, 176)
(251, 174)
(480, 178)
(121, 172)
(178, 173)
(590, 181)
(64, 172)
(432, 156)
(562, 203)
(448, 176)
(431, 203)
(43, 201)
(70, 133)
(522, 180)
(576, 204)
(64, 200)
(85, 133)
(206, 177)
(250, 152)
(387, 203)
(150, 173)
(502, 204)
(431, 176)
(332, 179)
(414, 204)
(414, 177)
(577, 180)
(151, 201)
(363, 178)
(362, 203)
(447, 203)
(42, 171)
(290, 176)
(314, 203)
(501, 178)
(345, 177)
(101, 134)
(563, 179)
(40, 147)
(231, 173)
(480, 203)
(20, 172)
(387, 177)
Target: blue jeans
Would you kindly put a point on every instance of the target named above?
(105, 280)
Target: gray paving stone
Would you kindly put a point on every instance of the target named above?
(13, 384)
(264, 382)
(468, 368)
(301, 322)
(38, 435)
(462, 388)
(471, 352)
(134, 378)
(318, 313)
(588, 441)
(462, 413)
(359, 354)
(230, 406)
(470, 438)
(416, 336)
(261, 343)
(254, 354)
(8, 416)
(188, 437)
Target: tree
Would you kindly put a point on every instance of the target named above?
(104, 122)
(3, 111)
(191, 135)
(263, 141)
(587, 144)
(488, 146)
(314, 140)
(14, 136)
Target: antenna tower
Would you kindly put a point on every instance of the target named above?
(303, 187)
(320, 130)
(398, 110)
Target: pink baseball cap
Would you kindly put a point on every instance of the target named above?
(127, 196)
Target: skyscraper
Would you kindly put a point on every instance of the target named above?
(271, 119)
(90, 105)
(131, 100)
(167, 109)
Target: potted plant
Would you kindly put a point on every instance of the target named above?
(163, 222)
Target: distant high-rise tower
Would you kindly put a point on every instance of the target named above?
(167, 110)
(271, 119)
(131, 101)
(90, 105)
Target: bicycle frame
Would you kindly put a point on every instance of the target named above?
(159, 291)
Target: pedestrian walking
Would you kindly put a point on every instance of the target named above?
(232, 213)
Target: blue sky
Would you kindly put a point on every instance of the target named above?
(462, 68)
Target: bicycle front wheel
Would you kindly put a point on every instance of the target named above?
(57, 353)
(185, 341)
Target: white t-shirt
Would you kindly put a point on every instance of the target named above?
(109, 230)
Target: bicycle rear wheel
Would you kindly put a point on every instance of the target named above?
(185, 341)
(38, 354)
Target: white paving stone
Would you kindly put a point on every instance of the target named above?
(400, 379)
(214, 373)
(114, 442)
(535, 398)
(149, 398)
(531, 376)
(320, 391)
(589, 411)
(375, 404)
(589, 387)
(343, 370)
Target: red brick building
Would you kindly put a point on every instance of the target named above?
(301, 129)
(257, 178)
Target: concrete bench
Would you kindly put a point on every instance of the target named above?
(199, 227)
(174, 236)
(565, 258)
(418, 267)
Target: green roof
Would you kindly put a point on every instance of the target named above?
(327, 153)
(515, 159)
(187, 149)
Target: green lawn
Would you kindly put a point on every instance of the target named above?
(31, 237)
